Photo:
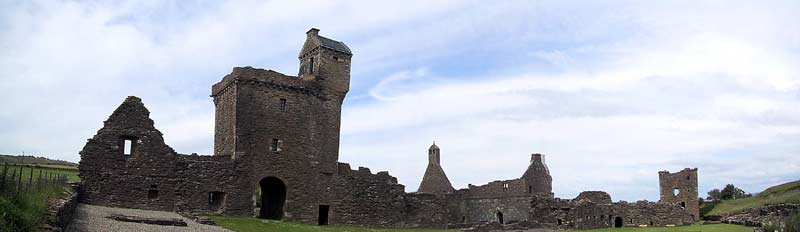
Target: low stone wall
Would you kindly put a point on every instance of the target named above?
(60, 211)
(759, 216)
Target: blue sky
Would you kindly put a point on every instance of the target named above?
(610, 91)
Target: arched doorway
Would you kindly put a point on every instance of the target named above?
(273, 195)
(618, 222)
(500, 217)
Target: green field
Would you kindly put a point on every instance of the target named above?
(70, 173)
(249, 224)
(785, 193)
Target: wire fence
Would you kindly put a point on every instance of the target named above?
(15, 179)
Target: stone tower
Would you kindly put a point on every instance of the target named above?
(680, 188)
(327, 61)
(538, 176)
(284, 130)
(435, 181)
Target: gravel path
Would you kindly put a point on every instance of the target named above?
(92, 218)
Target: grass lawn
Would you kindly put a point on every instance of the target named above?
(696, 227)
(785, 193)
(249, 224)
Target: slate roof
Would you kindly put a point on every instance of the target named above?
(333, 44)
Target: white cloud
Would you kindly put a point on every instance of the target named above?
(624, 90)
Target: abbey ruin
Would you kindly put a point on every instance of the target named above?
(276, 146)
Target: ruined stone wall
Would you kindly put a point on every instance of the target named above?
(760, 216)
(113, 178)
(685, 182)
(425, 210)
(499, 188)
(202, 175)
(598, 197)
(153, 176)
(644, 213)
(363, 198)
(225, 118)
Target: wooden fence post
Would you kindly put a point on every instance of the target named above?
(5, 170)
(30, 179)
(39, 180)
(11, 181)
(19, 180)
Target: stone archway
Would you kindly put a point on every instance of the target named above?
(618, 222)
(273, 196)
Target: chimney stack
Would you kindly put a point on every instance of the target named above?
(536, 157)
(312, 32)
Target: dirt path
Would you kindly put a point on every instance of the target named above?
(93, 218)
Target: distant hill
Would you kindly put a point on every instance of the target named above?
(784, 193)
(13, 159)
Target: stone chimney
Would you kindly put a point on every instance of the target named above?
(536, 158)
(313, 32)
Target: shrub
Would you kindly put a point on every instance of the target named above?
(793, 223)
(21, 212)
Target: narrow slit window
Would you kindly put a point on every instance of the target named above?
(311, 65)
(128, 147)
(282, 104)
(276, 145)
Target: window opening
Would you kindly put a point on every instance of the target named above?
(276, 145)
(127, 145)
(152, 193)
(311, 65)
(215, 199)
(282, 104)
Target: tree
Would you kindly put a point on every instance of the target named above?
(731, 192)
(714, 195)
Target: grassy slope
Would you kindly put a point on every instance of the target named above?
(33, 160)
(249, 224)
(785, 193)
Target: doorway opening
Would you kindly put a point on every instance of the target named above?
(618, 222)
(500, 217)
(273, 195)
(323, 214)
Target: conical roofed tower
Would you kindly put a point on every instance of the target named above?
(435, 181)
(538, 176)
